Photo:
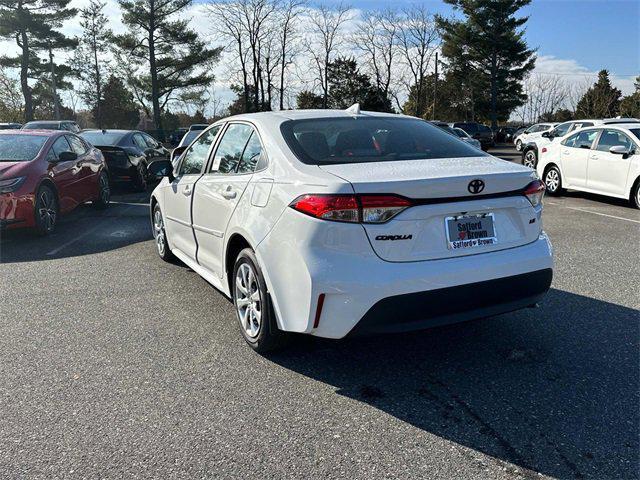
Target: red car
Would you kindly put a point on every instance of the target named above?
(46, 173)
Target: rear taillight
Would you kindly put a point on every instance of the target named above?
(534, 192)
(351, 208)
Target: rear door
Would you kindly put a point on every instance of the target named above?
(607, 172)
(218, 192)
(177, 195)
(574, 157)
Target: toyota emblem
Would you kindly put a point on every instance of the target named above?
(475, 186)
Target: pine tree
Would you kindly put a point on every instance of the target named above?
(174, 56)
(347, 85)
(32, 24)
(487, 51)
(90, 60)
(602, 100)
(119, 109)
(630, 105)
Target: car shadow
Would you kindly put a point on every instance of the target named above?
(84, 231)
(617, 202)
(552, 390)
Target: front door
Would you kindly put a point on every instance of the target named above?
(66, 175)
(220, 190)
(608, 171)
(574, 154)
(177, 195)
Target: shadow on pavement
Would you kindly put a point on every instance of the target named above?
(516, 387)
(83, 231)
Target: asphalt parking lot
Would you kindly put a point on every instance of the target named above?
(116, 364)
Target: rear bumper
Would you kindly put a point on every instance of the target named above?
(415, 311)
(336, 260)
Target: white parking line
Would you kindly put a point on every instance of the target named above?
(595, 213)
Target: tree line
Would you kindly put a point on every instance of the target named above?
(279, 54)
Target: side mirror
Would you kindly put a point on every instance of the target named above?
(620, 150)
(161, 168)
(547, 134)
(67, 156)
(177, 152)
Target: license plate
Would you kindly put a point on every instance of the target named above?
(469, 231)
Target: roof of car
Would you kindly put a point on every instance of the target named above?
(309, 114)
(34, 131)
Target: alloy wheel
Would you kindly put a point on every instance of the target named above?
(105, 190)
(248, 301)
(158, 230)
(47, 209)
(552, 180)
(529, 159)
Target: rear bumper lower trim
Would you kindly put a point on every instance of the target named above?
(420, 310)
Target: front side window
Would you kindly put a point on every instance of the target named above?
(231, 147)
(370, 139)
(77, 145)
(581, 139)
(562, 129)
(196, 156)
(613, 138)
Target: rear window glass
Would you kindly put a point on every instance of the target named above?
(361, 140)
(102, 139)
(42, 126)
(20, 148)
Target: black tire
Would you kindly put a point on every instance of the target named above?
(140, 178)
(160, 235)
(530, 158)
(104, 192)
(553, 181)
(262, 335)
(635, 194)
(518, 145)
(47, 210)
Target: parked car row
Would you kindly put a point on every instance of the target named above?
(602, 157)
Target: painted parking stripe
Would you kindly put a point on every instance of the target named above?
(595, 213)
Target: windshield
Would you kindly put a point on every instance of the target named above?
(189, 137)
(358, 140)
(20, 148)
(636, 132)
(461, 133)
(100, 138)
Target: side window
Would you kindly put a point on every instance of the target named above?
(562, 129)
(77, 145)
(151, 142)
(139, 141)
(585, 139)
(251, 155)
(230, 149)
(571, 141)
(59, 146)
(196, 156)
(613, 138)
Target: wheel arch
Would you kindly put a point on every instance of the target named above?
(236, 243)
(633, 187)
(49, 183)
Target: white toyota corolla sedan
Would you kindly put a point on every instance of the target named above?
(603, 160)
(331, 223)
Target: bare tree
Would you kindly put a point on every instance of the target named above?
(324, 41)
(289, 12)
(418, 41)
(545, 95)
(377, 38)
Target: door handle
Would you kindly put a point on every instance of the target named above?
(593, 156)
(187, 190)
(229, 193)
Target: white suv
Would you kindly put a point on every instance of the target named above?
(534, 131)
(335, 222)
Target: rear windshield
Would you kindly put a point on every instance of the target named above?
(360, 140)
(20, 148)
(42, 126)
(99, 138)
